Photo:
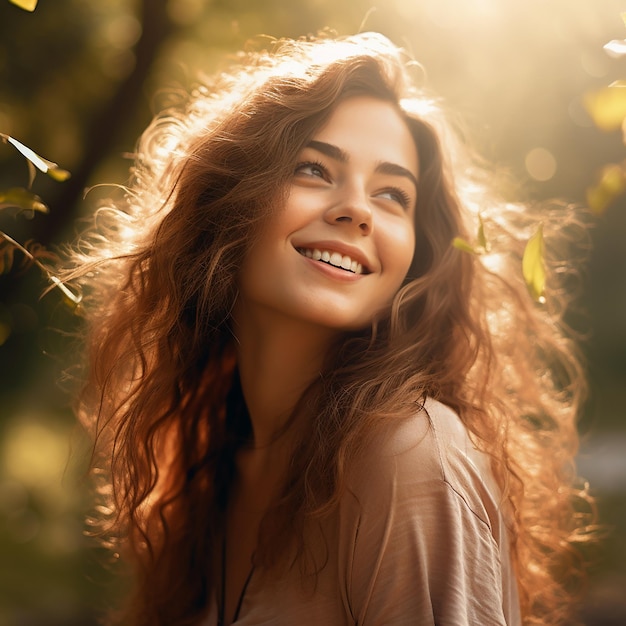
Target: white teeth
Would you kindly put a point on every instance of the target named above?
(336, 259)
(333, 258)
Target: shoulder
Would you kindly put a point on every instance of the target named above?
(431, 451)
(420, 528)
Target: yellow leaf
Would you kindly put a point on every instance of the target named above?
(611, 184)
(27, 5)
(48, 167)
(58, 174)
(21, 198)
(533, 268)
(460, 244)
(607, 107)
(482, 239)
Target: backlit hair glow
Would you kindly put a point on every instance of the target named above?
(159, 272)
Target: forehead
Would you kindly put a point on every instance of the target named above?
(369, 129)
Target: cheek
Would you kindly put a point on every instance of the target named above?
(410, 248)
(401, 248)
(295, 213)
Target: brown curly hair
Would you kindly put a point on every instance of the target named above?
(159, 274)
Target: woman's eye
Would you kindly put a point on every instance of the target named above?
(312, 169)
(397, 195)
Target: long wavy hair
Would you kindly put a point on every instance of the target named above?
(159, 271)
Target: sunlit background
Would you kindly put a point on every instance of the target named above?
(79, 79)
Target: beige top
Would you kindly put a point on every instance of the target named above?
(417, 539)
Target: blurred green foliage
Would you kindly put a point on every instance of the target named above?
(607, 108)
(78, 81)
(28, 203)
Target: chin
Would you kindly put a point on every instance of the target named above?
(347, 323)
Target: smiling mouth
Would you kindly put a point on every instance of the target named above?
(341, 261)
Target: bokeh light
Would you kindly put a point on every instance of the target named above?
(540, 164)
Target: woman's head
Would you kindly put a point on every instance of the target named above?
(231, 161)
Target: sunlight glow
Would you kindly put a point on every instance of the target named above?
(540, 164)
(453, 14)
(594, 63)
(493, 262)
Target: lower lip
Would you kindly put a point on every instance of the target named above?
(331, 271)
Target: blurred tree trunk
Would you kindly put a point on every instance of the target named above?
(106, 128)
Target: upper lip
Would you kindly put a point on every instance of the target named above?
(342, 248)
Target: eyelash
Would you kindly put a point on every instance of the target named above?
(312, 164)
(404, 198)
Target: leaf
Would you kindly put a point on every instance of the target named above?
(533, 268)
(615, 48)
(460, 244)
(45, 166)
(57, 173)
(72, 298)
(482, 245)
(482, 240)
(22, 199)
(27, 5)
(611, 184)
(607, 107)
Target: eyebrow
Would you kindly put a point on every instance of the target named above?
(385, 167)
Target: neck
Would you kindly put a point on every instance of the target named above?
(278, 359)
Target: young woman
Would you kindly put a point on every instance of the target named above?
(309, 407)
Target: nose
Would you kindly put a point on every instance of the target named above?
(352, 209)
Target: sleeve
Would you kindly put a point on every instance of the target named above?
(423, 549)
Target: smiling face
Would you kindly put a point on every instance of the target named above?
(338, 251)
